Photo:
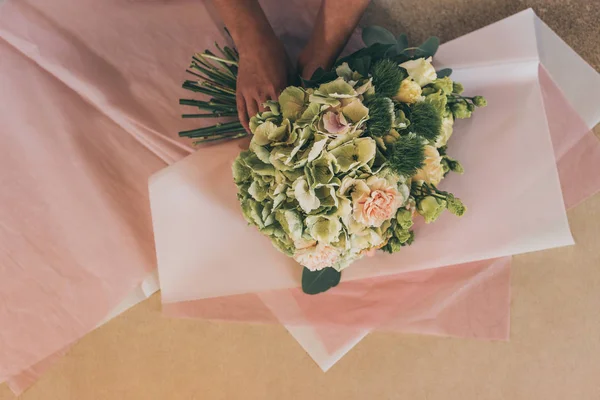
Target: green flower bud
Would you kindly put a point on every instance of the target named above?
(438, 100)
(457, 87)
(404, 236)
(454, 165)
(479, 101)
(445, 166)
(404, 218)
(460, 110)
(400, 120)
(455, 206)
(444, 84)
(427, 90)
(471, 107)
(390, 138)
(430, 208)
(393, 245)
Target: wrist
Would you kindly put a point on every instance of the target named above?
(254, 40)
(313, 57)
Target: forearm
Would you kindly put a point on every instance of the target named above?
(263, 68)
(246, 22)
(335, 23)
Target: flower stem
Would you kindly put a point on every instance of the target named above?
(211, 130)
(232, 135)
(221, 60)
(208, 105)
(209, 115)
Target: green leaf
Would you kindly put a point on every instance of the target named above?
(402, 42)
(376, 52)
(314, 282)
(442, 73)
(428, 48)
(318, 77)
(362, 65)
(376, 34)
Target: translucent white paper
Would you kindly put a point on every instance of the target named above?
(511, 188)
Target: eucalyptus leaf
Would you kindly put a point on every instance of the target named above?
(314, 282)
(376, 52)
(318, 77)
(428, 48)
(402, 42)
(362, 65)
(442, 73)
(376, 34)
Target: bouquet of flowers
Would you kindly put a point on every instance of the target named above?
(340, 166)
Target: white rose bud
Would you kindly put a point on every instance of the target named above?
(420, 70)
(409, 92)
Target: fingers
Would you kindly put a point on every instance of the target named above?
(242, 111)
(273, 95)
(261, 99)
(248, 105)
(252, 106)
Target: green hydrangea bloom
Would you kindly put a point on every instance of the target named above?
(292, 102)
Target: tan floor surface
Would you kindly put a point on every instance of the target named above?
(554, 351)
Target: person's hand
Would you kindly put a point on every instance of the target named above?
(310, 60)
(262, 75)
(334, 25)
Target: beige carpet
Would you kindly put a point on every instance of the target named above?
(576, 21)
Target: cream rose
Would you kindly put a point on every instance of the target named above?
(409, 91)
(375, 201)
(420, 70)
(432, 171)
(317, 257)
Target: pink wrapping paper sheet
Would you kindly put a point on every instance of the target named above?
(190, 203)
(128, 93)
(74, 211)
(102, 98)
(83, 125)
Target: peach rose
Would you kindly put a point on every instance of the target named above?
(375, 201)
(317, 257)
(432, 171)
